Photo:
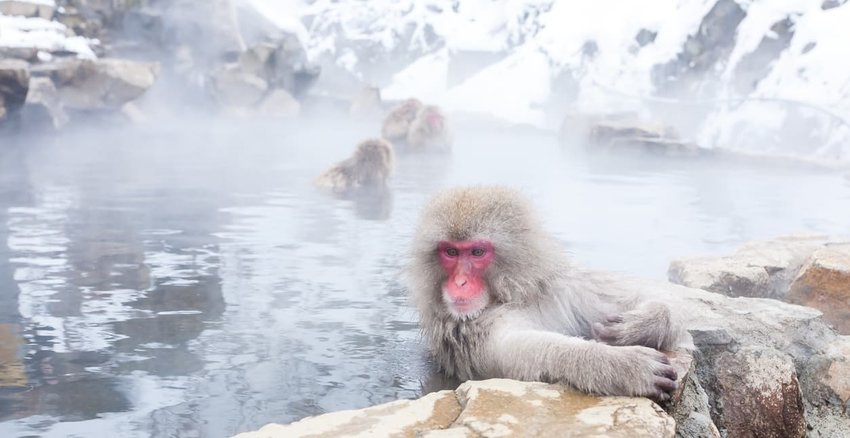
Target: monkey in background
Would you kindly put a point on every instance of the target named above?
(369, 167)
(428, 131)
(497, 297)
(397, 123)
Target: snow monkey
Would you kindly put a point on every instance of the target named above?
(397, 123)
(497, 297)
(369, 167)
(428, 130)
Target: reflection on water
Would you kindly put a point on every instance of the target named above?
(191, 282)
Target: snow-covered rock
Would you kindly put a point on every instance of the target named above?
(47, 38)
(14, 85)
(755, 75)
(28, 8)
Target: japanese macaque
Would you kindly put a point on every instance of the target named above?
(397, 123)
(498, 298)
(369, 167)
(428, 130)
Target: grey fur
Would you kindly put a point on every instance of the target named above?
(397, 123)
(543, 311)
(423, 137)
(369, 167)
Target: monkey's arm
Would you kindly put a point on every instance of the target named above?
(650, 324)
(535, 355)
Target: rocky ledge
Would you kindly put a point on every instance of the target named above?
(761, 368)
(66, 60)
(807, 270)
(495, 407)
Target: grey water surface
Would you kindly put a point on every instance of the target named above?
(188, 280)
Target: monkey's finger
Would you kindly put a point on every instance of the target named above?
(667, 371)
(600, 332)
(663, 359)
(666, 385)
(614, 319)
(660, 396)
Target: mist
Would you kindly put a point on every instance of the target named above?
(167, 266)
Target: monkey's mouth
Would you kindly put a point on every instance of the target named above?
(465, 308)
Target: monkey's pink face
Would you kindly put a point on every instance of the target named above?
(465, 290)
(435, 121)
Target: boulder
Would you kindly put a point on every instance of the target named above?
(824, 283)
(281, 63)
(279, 103)
(233, 87)
(490, 408)
(14, 85)
(772, 348)
(807, 270)
(86, 84)
(210, 27)
(23, 8)
(757, 269)
(43, 109)
(837, 375)
(759, 394)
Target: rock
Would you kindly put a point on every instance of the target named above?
(213, 34)
(43, 109)
(725, 328)
(689, 404)
(607, 131)
(658, 146)
(710, 44)
(86, 84)
(257, 60)
(233, 87)
(400, 418)
(830, 4)
(837, 376)
(279, 103)
(757, 269)
(282, 64)
(37, 9)
(824, 283)
(759, 394)
(14, 85)
(490, 408)
(28, 54)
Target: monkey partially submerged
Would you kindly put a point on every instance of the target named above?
(428, 131)
(498, 298)
(368, 168)
(397, 123)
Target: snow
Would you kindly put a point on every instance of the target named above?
(41, 34)
(35, 2)
(592, 43)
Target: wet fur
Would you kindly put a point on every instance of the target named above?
(544, 312)
(369, 167)
(422, 136)
(397, 123)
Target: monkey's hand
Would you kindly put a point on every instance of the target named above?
(535, 355)
(636, 371)
(650, 325)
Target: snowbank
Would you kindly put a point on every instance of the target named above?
(610, 52)
(44, 35)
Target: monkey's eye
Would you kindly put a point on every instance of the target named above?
(478, 252)
(451, 252)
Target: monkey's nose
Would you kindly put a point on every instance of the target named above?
(460, 281)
